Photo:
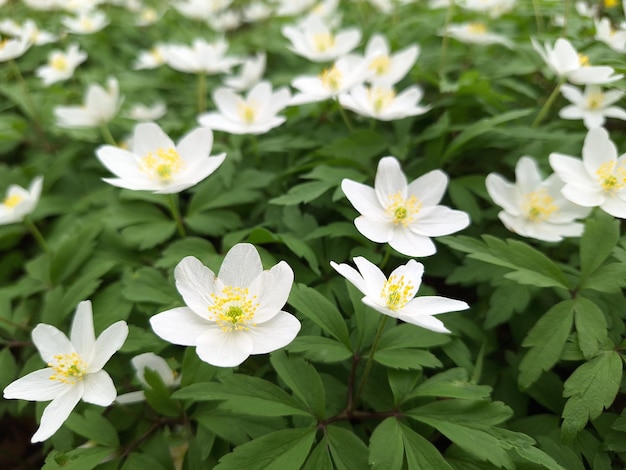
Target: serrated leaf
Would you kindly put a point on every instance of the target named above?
(546, 341)
(420, 453)
(406, 358)
(591, 327)
(600, 236)
(319, 349)
(347, 450)
(453, 383)
(95, 427)
(386, 449)
(607, 278)
(278, 450)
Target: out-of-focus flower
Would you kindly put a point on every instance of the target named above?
(327, 11)
(396, 296)
(599, 179)
(156, 164)
(232, 315)
(476, 33)
(141, 112)
(404, 215)
(534, 207)
(86, 22)
(74, 369)
(20, 202)
(13, 48)
(568, 64)
(254, 114)
(27, 30)
(201, 9)
(147, 16)
(201, 57)
(226, 20)
(151, 59)
(250, 74)
(592, 106)
(42, 5)
(61, 65)
(155, 363)
(380, 102)
(292, 7)
(388, 68)
(614, 38)
(586, 10)
(99, 107)
(256, 11)
(314, 40)
(75, 6)
(493, 8)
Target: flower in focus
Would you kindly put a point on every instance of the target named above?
(404, 215)
(86, 22)
(156, 164)
(254, 114)
(476, 33)
(396, 296)
(151, 59)
(614, 38)
(74, 369)
(141, 112)
(388, 68)
(568, 64)
(250, 74)
(592, 106)
(599, 179)
(100, 106)
(155, 363)
(201, 57)
(234, 314)
(313, 40)
(380, 101)
(20, 202)
(13, 48)
(61, 65)
(534, 207)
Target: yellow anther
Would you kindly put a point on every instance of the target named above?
(162, 165)
(247, 111)
(583, 60)
(380, 65)
(397, 292)
(401, 210)
(156, 54)
(58, 62)
(68, 368)
(323, 41)
(381, 97)
(12, 201)
(595, 100)
(476, 28)
(331, 78)
(86, 24)
(538, 205)
(611, 176)
(148, 15)
(233, 309)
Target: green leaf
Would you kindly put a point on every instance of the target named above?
(319, 349)
(77, 459)
(590, 326)
(305, 192)
(149, 285)
(300, 248)
(190, 246)
(600, 236)
(8, 367)
(158, 395)
(507, 299)
(463, 411)
(420, 453)
(320, 311)
(452, 383)
(74, 250)
(538, 456)
(149, 234)
(214, 223)
(607, 278)
(302, 378)
(278, 450)
(592, 387)
(137, 461)
(319, 458)
(406, 358)
(546, 341)
(95, 427)
(361, 145)
(411, 336)
(347, 450)
(386, 449)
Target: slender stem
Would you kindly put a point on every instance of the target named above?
(344, 116)
(255, 149)
(386, 256)
(547, 105)
(41, 241)
(445, 40)
(173, 202)
(538, 21)
(106, 135)
(201, 92)
(370, 358)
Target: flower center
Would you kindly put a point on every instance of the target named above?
(156, 54)
(583, 60)
(233, 309)
(381, 97)
(247, 111)
(610, 176)
(12, 201)
(148, 15)
(538, 205)
(86, 24)
(380, 65)
(477, 28)
(323, 41)
(331, 78)
(68, 368)
(163, 165)
(396, 292)
(401, 210)
(59, 62)
(595, 100)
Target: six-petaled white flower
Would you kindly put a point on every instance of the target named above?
(234, 314)
(61, 65)
(592, 106)
(20, 202)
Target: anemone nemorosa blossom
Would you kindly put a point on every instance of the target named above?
(19, 202)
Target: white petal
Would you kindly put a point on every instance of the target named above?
(571, 170)
(227, 103)
(593, 119)
(82, 335)
(429, 188)
(527, 175)
(274, 334)
(99, 389)
(597, 150)
(148, 137)
(196, 283)
(351, 275)
(153, 362)
(50, 342)
(439, 220)
(411, 244)
(503, 193)
(271, 289)
(372, 276)
(572, 93)
(586, 196)
(412, 273)
(433, 305)
(121, 163)
(35, 386)
(363, 198)
(131, 397)
(390, 180)
(179, 326)
(57, 412)
(429, 323)
(614, 206)
(241, 266)
(107, 344)
(373, 229)
(196, 145)
(224, 348)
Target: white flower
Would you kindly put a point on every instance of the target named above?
(396, 296)
(256, 11)
(389, 68)
(74, 369)
(152, 362)
(151, 59)
(140, 112)
(494, 8)
(292, 7)
(476, 33)
(28, 30)
(201, 57)
(201, 9)
(250, 74)
(224, 21)
(586, 10)
(315, 41)
(568, 64)
(147, 16)
(13, 48)
(61, 65)
(20, 202)
(534, 207)
(86, 22)
(156, 164)
(234, 314)
(401, 214)
(100, 106)
(599, 179)
(254, 114)
(381, 102)
(614, 38)
(592, 106)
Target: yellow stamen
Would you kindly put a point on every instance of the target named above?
(68, 368)
(148, 15)
(595, 100)
(233, 309)
(611, 176)
(86, 24)
(396, 292)
(476, 28)
(12, 201)
(247, 111)
(381, 97)
(583, 60)
(156, 54)
(539, 205)
(163, 165)
(380, 65)
(323, 41)
(58, 62)
(331, 78)
(401, 210)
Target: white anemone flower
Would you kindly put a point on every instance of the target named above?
(226, 20)
(148, 16)
(592, 106)
(476, 33)
(614, 38)
(314, 40)
(74, 369)
(254, 114)
(533, 207)
(152, 58)
(389, 68)
(14, 48)
(201, 57)
(143, 113)
(599, 179)
(149, 361)
(493, 8)
(292, 7)
(256, 11)
(61, 65)
(28, 30)
(99, 107)
(395, 296)
(86, 22)
(381, 102)
(20, 202)
(232, 315)
(250, 74)
(156, 164)
(201, 9)
(568, 64)
(404, 215)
